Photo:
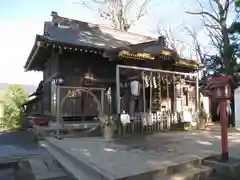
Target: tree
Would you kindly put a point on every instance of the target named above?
(196, 44)
(238, 3)
(215, 22)
(122, 14)
(234, 31)
(212, 62)
(15, 97)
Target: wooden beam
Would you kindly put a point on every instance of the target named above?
(37, 45)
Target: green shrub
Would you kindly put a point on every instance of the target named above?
(15, 97)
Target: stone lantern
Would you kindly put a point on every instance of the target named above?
(220, 90)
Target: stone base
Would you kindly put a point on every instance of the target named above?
(229, 169)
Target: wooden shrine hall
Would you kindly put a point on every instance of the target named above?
(92, 71)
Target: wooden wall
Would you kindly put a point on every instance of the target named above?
(72, 67)
(50, 69)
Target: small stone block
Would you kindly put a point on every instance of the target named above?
(228, 169)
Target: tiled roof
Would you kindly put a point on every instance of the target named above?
(69, 32)
(75, 32)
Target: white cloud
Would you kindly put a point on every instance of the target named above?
(17, 38)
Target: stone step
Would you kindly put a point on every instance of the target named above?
(46, 168)
(78, 168)
(183, 166)
(196, 173)
(175, 172)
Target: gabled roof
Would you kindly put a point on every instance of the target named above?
(76, 33)
(86, 34)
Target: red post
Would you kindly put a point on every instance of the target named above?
(224, 129)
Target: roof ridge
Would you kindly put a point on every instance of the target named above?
(60, 19)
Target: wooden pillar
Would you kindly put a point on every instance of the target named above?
(173, 97)
(113, 99)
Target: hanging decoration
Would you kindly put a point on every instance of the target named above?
(182, 81)
(178, 90)
(135, 87)
(186, 89)
(74, 94)
(108, 93)
(154, 82)
(147, 82)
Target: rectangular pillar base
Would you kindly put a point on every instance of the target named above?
(228, 169)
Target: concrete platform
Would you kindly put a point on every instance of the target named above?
(94, 158)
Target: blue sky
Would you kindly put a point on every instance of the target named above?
(21, 20)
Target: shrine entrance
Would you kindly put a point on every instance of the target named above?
(156, 99)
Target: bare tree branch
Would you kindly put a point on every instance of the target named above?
(213, 8)
(171, 41)
(215, 24)
(197, 46)
(209, 25)
(204, 13)
(183, 48)
(142, 9)
(118, 11)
